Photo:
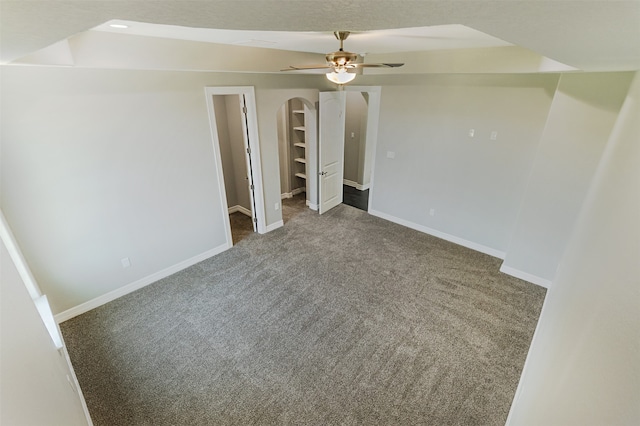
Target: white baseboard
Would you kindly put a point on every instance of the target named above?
(238, 208)
(312, 206)
(292, 193)
(534, 344)
(355, 185)
(276, 225)
(136, 285)
(542, 282)
(451, 238)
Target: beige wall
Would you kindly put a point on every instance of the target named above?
(582, 368)
(583, 112)
(473, 184)
(354, 146)
(99, 165)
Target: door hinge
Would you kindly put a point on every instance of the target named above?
(255, 219)
(252, 188)
(244, 109)
(248, 150)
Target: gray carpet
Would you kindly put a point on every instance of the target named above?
(337, 319)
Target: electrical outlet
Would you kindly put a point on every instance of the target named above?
(277, 206)
(472, 132)
(391, 154)
(494, 135)
(125, 262)
(432, 212)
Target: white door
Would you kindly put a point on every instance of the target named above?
(331, 149)
(247, 150)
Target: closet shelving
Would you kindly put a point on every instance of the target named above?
(298, 144)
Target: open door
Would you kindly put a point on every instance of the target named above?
(331, 149)
(247, 149)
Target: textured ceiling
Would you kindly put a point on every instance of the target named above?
(593, 35)
(439, 37)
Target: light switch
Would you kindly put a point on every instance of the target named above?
(391, 154)
(125, 262)
(494, 135)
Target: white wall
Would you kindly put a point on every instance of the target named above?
(34, 386)
(582, 368)
(473, 184)
(580, 120)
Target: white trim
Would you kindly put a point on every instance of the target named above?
(525, 367)
(542, 282)
(292, 193)
(355, 185)
(136, 285)
(312, 206)
(76, 385)
(18, 258)
(451, 238)
(238, 208)
(278, 224)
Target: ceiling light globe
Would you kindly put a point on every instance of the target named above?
(340, 77)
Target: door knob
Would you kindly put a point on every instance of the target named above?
(322, 173)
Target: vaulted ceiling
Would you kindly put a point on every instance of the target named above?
(588, 35)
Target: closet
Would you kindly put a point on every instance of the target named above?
(293, 147)
(233, 155)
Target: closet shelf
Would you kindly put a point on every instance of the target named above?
(301, 175)
(300, 160)
(298, 111)
(301, 128)
(300, 144)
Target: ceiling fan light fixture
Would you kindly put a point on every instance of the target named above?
(340, 77)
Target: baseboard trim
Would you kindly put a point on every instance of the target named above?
(276, 225)
(292, 193)
(434, 232)
(136, 285)
(526, 366)
(355, 185)
(238, 208)
(542, 282)
(312, 206)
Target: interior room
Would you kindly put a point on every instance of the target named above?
(477, 265)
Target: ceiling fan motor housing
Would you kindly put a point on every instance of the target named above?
(341, 57)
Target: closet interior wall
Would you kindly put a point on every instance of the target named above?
(234, 164)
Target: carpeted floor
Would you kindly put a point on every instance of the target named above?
(342, 319)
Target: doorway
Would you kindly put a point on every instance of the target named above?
(297, 147)
(236, 146)
(357, 167)
(348, 137)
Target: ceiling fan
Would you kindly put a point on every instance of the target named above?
(341, 64)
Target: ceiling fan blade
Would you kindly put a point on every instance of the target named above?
(307, 67)
(375, 65)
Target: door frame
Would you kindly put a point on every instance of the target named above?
(254, 168)
(373, 118)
